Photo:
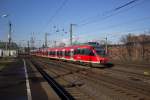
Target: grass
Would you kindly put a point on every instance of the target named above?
(4, 62)
(3, 65)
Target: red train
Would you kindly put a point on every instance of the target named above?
(86, 54)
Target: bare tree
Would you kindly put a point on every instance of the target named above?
(128, 42)
(144, 41)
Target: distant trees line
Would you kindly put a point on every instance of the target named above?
(133, 48)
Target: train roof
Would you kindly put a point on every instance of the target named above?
(71, 47)
(67, 48)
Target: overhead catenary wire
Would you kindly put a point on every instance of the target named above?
(56, 12)
(122, 6)
(118, 34)
(121, 24)
(110, 13)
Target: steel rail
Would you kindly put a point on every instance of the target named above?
(61, 92)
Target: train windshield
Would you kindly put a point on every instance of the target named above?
(101, 52)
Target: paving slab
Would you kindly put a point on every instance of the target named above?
(40, 89)
(13, 82)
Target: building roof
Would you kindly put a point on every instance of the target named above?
(12, 45)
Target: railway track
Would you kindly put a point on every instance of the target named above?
(71, 87)
(127, 88)
(129, 74)
(62, 93)
(138, 66)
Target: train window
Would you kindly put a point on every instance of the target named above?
(48, 52)
(57, 53)
(54, 53)
(60, 53)
(63, 53)
(78, 51)
(75, 51)
(82, 51)
(68, 53)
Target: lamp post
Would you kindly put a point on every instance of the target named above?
(9, 33)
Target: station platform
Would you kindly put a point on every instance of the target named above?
(19, 80)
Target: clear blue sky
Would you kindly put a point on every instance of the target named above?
(29, 16)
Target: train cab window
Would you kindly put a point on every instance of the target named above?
(101, 52)
(89, 52)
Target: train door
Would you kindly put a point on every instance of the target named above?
(56, 53)
(86, 55)
(82, 56)
(63, 53)
(71, 54)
